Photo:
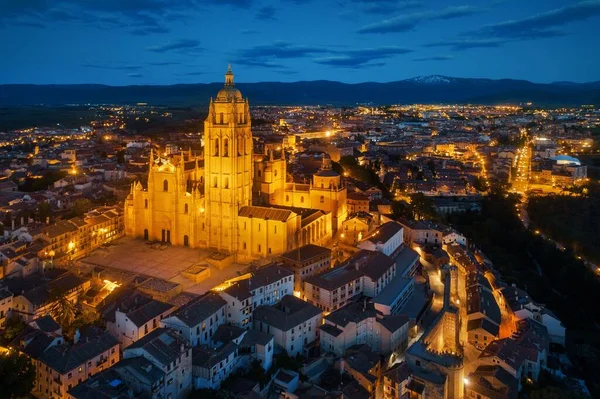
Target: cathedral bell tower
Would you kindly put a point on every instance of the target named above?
(228, 165)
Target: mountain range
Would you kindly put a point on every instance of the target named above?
(422, 89)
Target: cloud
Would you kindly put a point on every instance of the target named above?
(165, 63)
(408, 22)
(180, 45)
(249, 62)
(143, 16)
(542, 25)
(362, 57)
(270, 55)
(193, 73)
(281, 50)
(382, 7)
(466, 43)
(435, 58)
(149, 30)
(266, 13)
(114, 67)
(135, 75)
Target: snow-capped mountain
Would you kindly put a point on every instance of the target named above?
(431, 80)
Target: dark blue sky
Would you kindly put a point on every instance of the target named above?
(122, 42)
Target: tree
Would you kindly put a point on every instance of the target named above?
(422, 207)
(81, 206)
(17, 374)
(63, 310)
(44, 211)
(13, 327)
(402, 209)
(83, 318)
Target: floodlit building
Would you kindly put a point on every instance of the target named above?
(207, 202)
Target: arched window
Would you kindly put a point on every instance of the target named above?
(275, 229)
(146, 203)
(215, 181)
(216, 152)
(240, 148)
(225, 147)
(275, 172)
(185, 208)
(226, 183)
(321, 184)
(322, 199)
(221, 118)
(165, 185)
(259, 173)
(302, 200)
(186, 241)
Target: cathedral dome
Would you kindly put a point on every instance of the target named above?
(229, 92)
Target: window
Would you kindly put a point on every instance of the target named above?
(225, 147)
(275, 172)
(185, 208)
(215, 181)
(244, 245)
(259, 248)
(226, 184)
(165, 185)
(259, 227)
(216, 148)
(302, 200)
(275, 229)
(322, 199)
(259, 173)
(146, 203)
(287, 198)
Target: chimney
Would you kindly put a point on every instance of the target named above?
(77, 336)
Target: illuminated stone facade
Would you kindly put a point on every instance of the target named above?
(206, 202)
(326, 191)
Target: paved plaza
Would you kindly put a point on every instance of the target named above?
(137, 256)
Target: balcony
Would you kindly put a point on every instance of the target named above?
(101, 361)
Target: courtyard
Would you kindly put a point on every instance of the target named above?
(138, 257)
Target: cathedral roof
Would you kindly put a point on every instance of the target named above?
(229, 93)
(265, 213)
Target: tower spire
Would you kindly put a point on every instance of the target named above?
(229, 76)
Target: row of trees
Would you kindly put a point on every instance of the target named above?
(573, 220)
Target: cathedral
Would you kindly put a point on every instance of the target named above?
(242, 205)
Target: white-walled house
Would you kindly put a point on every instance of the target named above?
(359, 323)
(198, 320)
(385, 239)
(266, 286)
(292, 322)
(138, 322)
(172, 354)
(365, 273)
(231, 348)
